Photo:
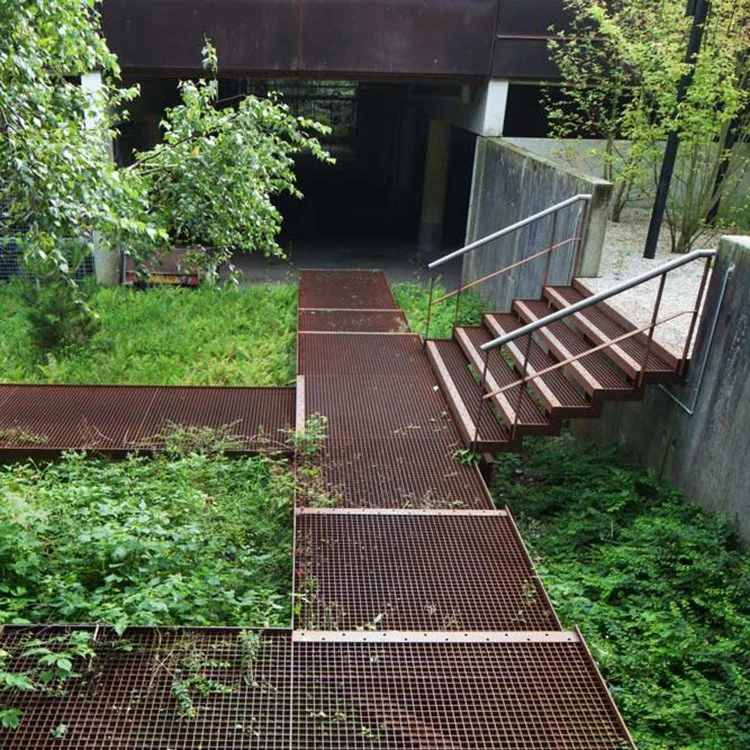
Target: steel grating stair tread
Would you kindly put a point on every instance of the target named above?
(526, 414)
(464, 393)
(594, 322)
(559, 395)
(593, 373)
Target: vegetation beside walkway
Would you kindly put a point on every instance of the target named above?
(659, 587)
(165, 337)
(170, 540)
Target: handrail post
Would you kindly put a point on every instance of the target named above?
(521, 388)
(694, 319)
(478, 414)
(575, 268)
(549, 254)
(429, 309)
(458, 304)
(654, 318)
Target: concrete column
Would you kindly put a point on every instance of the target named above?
(435, 183)
(106, 262)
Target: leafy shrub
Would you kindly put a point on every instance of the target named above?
(193, 540)
(659, 587)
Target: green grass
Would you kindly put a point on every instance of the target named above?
(659, 587)
(413, 298)
(166, 336)
(188, 540)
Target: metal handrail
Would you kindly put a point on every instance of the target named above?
(507, 230)
(599, 297)
(587, 353)
(661, 272)
(551, 211)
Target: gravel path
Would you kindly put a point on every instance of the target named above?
(622, 258)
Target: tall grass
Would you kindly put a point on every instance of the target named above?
(165, 337)
(413, 298)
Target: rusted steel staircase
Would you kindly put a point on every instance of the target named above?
(560, 356)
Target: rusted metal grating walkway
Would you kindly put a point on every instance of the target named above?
(43, 420)
(420, 620)
(315, 691)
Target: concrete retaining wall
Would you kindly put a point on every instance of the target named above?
(509, 184)
(584, 154)
(708, 454)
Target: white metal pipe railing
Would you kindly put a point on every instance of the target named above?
(600, 297)
(511, 228)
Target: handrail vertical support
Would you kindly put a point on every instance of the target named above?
(694, 319)
(478, 414)
(549, 254)
(521, 388)
(429, 309)
(576, 267)
(654, 318)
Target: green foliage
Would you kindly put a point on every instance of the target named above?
(413, 297)
(196, 540)
(213, 176)
(209, 183)
(659, 587)
(48, 665)
(622, 62)
(57, 174)
(165, 336)
(188, 661)
(58, 314)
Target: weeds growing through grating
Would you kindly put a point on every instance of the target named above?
(190, 663)
(250, 644)
(13, 436)
(46, 667)
(182, 440)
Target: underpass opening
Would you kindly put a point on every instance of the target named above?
(366, 209)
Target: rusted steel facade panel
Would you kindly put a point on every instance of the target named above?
(408, 37)
(167, 35)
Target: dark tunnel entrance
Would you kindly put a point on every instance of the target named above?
(364, 210)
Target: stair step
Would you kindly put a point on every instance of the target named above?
(599, 326)
(462, 393)
(592, 373)
(560, 397)
(532, 419)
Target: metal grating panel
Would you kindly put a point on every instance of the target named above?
(337, 321)
(126, 700)
(400, 472)
(339, 289)
(369, 405)
(421, 572)
(379, 355)
(45, 419)
(515, 696)
(595, 363)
